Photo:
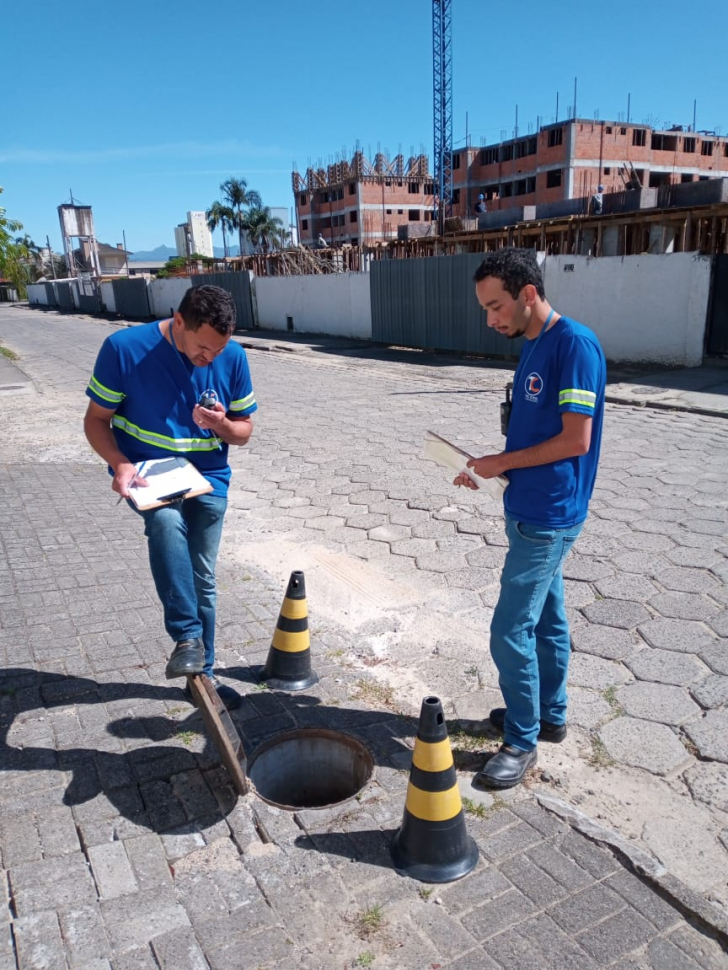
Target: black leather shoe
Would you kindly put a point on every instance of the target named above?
(188, 657)
(230, 698)
(554, 733)
(507, 768)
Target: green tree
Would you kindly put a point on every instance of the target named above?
(238, 197)
(262, 228)
(176, 266)
(12, 252)
(223, 216)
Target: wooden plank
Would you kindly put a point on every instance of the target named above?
(220, 729)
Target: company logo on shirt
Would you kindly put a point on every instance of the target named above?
(533, 386)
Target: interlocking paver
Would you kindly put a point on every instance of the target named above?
(667, 667)
(643, 744)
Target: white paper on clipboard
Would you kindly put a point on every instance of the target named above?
(447, 454)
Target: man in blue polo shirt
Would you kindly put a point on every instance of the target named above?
(177, 387)
(550, 459)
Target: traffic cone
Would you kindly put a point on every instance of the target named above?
(432, 844)
(289, 659)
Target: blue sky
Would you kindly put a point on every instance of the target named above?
(144, 108)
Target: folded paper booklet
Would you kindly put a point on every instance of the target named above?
(169, 480)
(454, 458)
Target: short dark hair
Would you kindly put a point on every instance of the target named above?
(515, 268)
(208, 304)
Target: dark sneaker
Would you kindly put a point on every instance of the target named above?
(230, 698)
(553, 733)
(507, 768)
(188, 657)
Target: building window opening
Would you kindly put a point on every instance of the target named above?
(639, 137)
(413, 188)
(608, 129)
(556, 137)
(686, 177)
(553, 178)
(689, 145)
(413, 215)
(607, 170)
(354, 216)
(706, 148)
(303, 198)
(623, 131)
(304, 223)
(456, 160)
(352, 188)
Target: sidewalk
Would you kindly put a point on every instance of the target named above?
(700, 390)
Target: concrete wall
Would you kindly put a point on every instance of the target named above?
(37, 294)
(337, 303)
(165, 295)
(107, 297)
(642, 308)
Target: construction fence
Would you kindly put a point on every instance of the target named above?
(666, 309)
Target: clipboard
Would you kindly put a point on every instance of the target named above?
(445, 453)
(170, 480)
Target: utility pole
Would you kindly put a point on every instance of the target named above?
(50, 255)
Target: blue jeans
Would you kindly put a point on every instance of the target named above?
(183, 541)
(529, 632)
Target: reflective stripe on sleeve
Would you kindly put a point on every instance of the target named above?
(113, 397)
(243, 403)
(572, 395)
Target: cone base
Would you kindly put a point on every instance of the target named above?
(434, 871)
(279, 683)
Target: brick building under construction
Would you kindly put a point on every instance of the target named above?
(570, 159)
(363, 203)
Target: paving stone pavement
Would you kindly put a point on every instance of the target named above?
(122, 843)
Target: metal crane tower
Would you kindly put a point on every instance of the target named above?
(442, 105)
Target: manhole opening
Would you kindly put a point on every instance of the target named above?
(310, 768)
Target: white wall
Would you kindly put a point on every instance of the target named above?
(37, 294)
(336, 303)
(166, 295)
(642, 308)
(107, 297)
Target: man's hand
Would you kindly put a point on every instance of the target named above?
(124, 474)
(209, 418)
(489, 466)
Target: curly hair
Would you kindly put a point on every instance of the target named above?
(515, 268)
(208, 304)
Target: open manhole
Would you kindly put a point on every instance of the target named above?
(310, 768)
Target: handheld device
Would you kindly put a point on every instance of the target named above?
(505, 409)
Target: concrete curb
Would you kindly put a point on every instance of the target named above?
(644, 864)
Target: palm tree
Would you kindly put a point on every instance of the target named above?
(261, 227)
(223, 216)
(237, 196)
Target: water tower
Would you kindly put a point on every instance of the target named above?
(77, 222)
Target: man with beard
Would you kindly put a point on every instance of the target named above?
(550, 460)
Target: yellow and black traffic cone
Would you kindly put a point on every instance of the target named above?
(288, 666)
(432, 843)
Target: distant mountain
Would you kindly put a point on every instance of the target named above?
(166, 252)
(160, 253)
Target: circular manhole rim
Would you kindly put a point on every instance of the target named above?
(311, 732)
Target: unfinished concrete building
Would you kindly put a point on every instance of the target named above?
(570, 159)
(362, 202)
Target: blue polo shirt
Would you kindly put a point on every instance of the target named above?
(562, 371)
(153, 389)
